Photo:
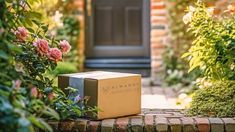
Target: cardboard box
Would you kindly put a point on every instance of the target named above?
(115, 94)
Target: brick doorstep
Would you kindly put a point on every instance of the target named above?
(148, 122)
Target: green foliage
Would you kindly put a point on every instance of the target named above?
(70, 32)
(175, 66)
(217, 100)
(64, 68)
(213, 49)
(27, 96)
(212, 52)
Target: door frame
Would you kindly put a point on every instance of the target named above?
(96, 50)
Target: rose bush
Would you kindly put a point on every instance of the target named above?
(27, 52)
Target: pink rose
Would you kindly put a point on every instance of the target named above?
(65, 46)
(42, 46)
(51, 96)
(21, 33)
(55, 54)
(34, 92)
(16, 84)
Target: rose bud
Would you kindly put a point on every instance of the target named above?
(16, 84)
(21, 33)
(34, 92)
(64, 46)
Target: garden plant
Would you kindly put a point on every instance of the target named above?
(27, 97)
(212, 52)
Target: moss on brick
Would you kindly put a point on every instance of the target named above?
(217, 100)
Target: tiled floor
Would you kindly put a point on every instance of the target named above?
(155, 97)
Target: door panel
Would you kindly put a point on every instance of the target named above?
(103, 32)
(118, 28)
(133, 26)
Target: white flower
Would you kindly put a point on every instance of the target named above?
(192, 9)
(187, 18)
(210, 11)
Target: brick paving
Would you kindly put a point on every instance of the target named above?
(161, 121)
(159, 114)
(159, 98)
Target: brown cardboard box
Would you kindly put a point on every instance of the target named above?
(115, 94)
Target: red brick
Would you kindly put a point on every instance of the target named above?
(94, 126)
(229, 124)
(159, 13)
(122, 124)
(66, 125)
(188, 124)
(221, 3)
(216, 125)
(159, 20)
(158, 33)
(158, 46)
(54, 125)
(107, 125)
(81, 125)
(136, 124)
(149, 123)
(158, 6)
(175, 125)
(157, 51)
(156, 1)
(203, 124)
(161, 124)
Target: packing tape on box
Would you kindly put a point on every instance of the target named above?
(77, 80)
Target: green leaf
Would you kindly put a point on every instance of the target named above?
(43, 125)
(35, 15)
(31, 30)
(36, 121)
(3, 55)
(186, 55)
(45, 28)
(50, 112)
(18, 103)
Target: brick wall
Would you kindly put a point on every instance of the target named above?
(159, 31)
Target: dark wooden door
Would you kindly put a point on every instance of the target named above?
(117, 28)
(117, 35)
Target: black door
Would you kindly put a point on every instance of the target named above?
(117, 35)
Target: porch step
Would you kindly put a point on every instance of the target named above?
(118, 63)
(130, 65)
(167, 120)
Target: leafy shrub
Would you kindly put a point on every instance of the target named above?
(212, 52)
(27, 52)
(216, 100)
(213, 49)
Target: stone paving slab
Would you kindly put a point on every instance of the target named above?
(163, 120)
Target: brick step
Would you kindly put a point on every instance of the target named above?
(149, 121)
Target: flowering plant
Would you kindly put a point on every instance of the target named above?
(27, 52)
(213, 49)
(213, 52)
